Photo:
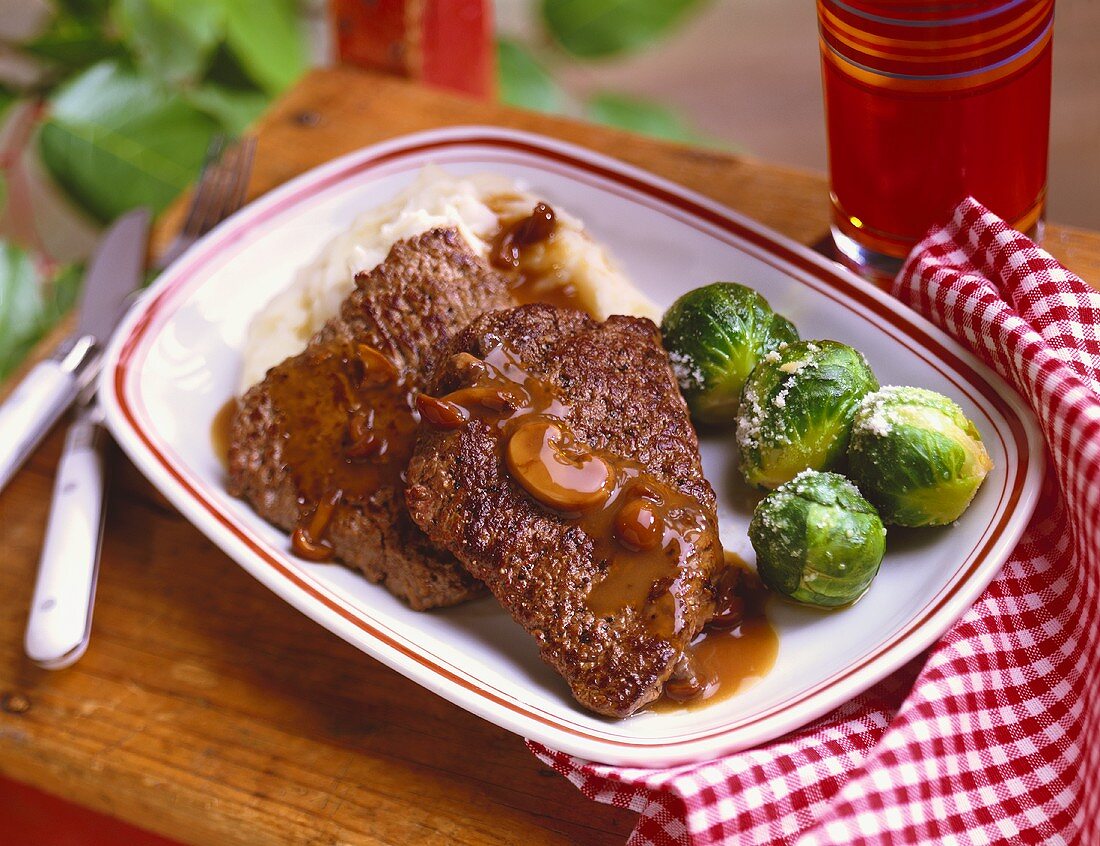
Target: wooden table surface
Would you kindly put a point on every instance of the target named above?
(208, 710)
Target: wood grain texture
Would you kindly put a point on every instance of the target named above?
(208, 710)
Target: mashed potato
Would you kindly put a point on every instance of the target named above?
(477, 206)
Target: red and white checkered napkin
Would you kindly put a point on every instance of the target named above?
(994, 735)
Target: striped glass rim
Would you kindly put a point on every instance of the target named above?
(934, 41)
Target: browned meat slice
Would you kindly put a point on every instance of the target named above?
(557, 462)
(319, 446)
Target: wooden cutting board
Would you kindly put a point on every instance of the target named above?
(208, 710)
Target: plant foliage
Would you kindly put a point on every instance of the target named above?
(132, 92)
(31, 302)
(596, 29)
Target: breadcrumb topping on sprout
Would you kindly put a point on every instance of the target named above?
(817, 540)
(797, 408)
(916, 456)
(715, 336)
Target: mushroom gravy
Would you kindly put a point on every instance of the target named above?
(526, 251)
(349, 424)
(350, 429)
(368, 421)
(735, 650)
(645, 531)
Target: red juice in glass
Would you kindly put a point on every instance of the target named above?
(926, 103)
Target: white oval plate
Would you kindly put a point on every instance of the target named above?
(174, 361)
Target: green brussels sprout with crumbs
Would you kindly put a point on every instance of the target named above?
(916, 456)
(714, 336)
(796, 410)
(817, 540)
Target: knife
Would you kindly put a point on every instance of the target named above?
(60, 619)
(61, 608)
(52, 385)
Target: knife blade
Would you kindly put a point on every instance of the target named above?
(52, 385)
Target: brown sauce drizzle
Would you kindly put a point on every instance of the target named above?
(647, 577)
(509, 244)
(524, 250)
(735, 650)
(220, 430)
(307, 539)
(349, 420)
(645, 531)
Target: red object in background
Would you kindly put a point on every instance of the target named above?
(444, 43)
(927, 103)
(29, 817)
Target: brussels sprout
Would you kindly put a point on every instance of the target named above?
(916, 456)
(817, 540)
(796, 410)
(714, 336)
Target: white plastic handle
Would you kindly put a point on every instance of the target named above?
(61, 610)
(30, 412)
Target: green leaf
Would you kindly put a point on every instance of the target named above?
(593, 29)
(266, 38)
(172, 40)
(642, 116)
(225, 70)
(85, 10)
(29, 305)
(115, 140)
(524, 82)
(233, 108)
(73, 43)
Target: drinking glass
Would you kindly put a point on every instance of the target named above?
(925, 103)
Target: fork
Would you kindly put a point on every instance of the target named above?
(221, 189)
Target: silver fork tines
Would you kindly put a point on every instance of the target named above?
(221, 190)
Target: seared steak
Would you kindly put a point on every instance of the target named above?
(296, 454)
(597, 404)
